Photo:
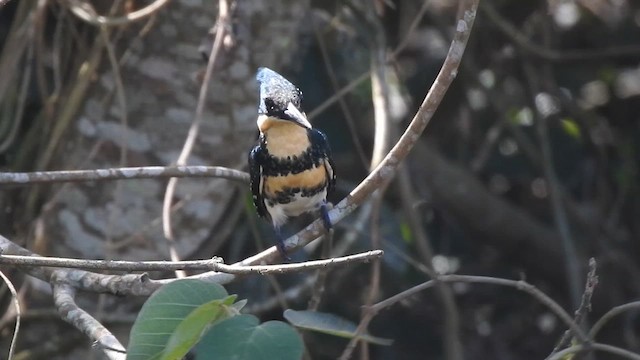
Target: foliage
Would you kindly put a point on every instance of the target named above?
(185, 312)
(329, 324)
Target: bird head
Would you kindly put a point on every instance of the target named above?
(280, 100)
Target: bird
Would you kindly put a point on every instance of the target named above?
(291, 168)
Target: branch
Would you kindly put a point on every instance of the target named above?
(565, 354)
(558, 211)
(518, 285)
(214, 264)
(615, 311)
(576, 55)
(63, 297)
(132, 284)
(221, 26)
(382, 140)
(126, 173)
(111, 265)
(85, 12)
(585, 305)
(16, 303)
(305, 266)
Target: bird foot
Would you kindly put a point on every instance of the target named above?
(280, 246)
(324, 213)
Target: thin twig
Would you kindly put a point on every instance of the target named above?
(126, 173)
(523, 42)
(123, 147)
(565, 354)
(321, 275)
(451, 315)
(585, 305)
(613, 312)
(380, 98)
(351, 123)
(84, 11)
(558, 210)
(221, 30)
(214, 264)
(374, 287)
(518, 285)
(16, 303)
(363, 77)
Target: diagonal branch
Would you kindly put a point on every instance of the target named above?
(63, 296)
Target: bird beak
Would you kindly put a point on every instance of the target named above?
(297, 116)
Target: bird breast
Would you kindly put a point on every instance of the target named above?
(284, 138)
(311, 180)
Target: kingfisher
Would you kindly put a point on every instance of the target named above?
(291, 168)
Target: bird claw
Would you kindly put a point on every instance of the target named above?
(283, 251)
(324, 213)
(280, 246)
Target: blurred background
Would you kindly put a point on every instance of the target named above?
(528, 168)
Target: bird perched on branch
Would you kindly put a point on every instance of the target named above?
(291, 167)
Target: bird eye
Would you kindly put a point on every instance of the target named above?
(270, 105)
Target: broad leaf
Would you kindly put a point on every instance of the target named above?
(164, 311)
(329, 324)
(189, 331)
(242, 337)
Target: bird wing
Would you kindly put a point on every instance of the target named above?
(256, 180)
(319, 143)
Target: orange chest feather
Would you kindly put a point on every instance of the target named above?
(285, 138)
(308, 179)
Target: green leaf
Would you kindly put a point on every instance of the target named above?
(189, 331)
(329, 324)
(571, 128)
(242, 337)
(163, 313)
(405, 232)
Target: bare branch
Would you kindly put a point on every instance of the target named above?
(565, 354)
(214, 264)
(307, 265)
(329, 69)
(84, 11)
(615, 311)
(16, 303)
(518, 285)
(112, 265)
(127, 173)
(558, 209)
(221, 32)
(524, 43)
(113, 284)
(63, 297)
(381, 144)
(585, 305)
